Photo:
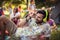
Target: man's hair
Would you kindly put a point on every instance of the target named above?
(42, 12)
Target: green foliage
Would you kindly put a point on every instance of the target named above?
(13, 37)
(41, 3)
(2, 2)
(55, 35)
(15, 2)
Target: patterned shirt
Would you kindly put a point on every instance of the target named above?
(33, 30)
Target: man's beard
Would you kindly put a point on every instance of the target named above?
(39, 22)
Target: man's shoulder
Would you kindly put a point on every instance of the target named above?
(46, 24)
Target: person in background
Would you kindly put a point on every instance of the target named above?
(19, 8)
(15, 15)
(32, 6)
(10, 8)
(1, 11)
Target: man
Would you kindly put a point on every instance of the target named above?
(46, 27)
(45, 33)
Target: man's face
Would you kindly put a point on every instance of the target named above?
(39, 17)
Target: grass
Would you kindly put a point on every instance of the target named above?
(58, 25)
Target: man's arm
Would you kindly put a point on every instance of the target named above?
(21, 22)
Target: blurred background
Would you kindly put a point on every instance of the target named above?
(54, 5)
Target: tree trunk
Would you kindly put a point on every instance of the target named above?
(55, 13)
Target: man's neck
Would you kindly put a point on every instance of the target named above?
(40, 23)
